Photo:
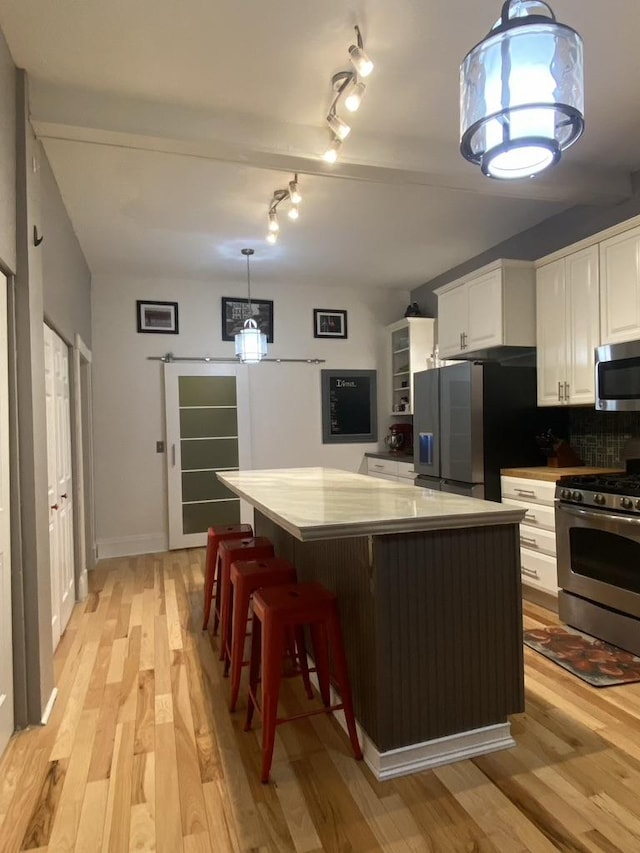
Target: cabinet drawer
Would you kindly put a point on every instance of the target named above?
(539, 570)
(532, 491)
(538, 540)
(406, 471)
(537, 514)
(382, 466)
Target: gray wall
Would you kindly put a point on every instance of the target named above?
(7, 159)
(66, 279)
(553, 234)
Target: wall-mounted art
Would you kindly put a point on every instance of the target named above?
(349, 406)
(235, 311)
(158, 317)
(329, 324)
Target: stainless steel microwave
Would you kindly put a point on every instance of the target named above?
(618, 377)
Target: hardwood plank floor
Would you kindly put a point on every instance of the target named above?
(141, 753)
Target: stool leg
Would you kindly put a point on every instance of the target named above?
(254, 669)
(227, 638)
(216, 597)
(240, 614)
(223, 604)
(321, 656)
(342, 677)
(273, 646)
(302, 660)
(209, 580)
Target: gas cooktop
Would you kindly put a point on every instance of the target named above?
(610, 491)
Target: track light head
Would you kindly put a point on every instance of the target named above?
(294, 191)
(340, 128)
(331, 153)
(354, 98)
(361, 62)
(274, 225)
(294, 213)
(272, 237)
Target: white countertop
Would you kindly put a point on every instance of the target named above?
(324, 503)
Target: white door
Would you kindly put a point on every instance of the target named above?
(485, 325)
(60, 495)
(551, 331)
(620, 288)
(6, 643)
(208, 430)
(583, 324)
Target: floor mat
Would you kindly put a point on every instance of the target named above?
(594, 661)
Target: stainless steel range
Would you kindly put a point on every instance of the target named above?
(598, 546)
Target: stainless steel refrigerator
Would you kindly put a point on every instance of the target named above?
(471, 420)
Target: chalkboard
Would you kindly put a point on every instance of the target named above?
(349, 406)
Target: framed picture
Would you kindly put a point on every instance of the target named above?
(349, 406)
(158, 317)
(236, 311)
(329, 324)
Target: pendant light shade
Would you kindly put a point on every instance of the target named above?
(251, 343)
(522, 92)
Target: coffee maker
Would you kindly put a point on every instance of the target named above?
(400, 438)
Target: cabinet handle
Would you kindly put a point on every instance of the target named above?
(378, 466)
(461, 346)
(173, 456)
(54, 506)
(560, 391)
(528, 492)
(524, 540)
(530, 573)
(566, 391)
(530, 516)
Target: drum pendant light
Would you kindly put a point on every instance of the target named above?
(522, 93)
(251, 343)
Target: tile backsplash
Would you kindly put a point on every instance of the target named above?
(599, 437)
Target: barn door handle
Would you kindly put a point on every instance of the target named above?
(173, 455)
(36, 240)
(54, 506)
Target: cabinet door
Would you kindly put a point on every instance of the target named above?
(583, 323)
(551, 353)
(452, 321)
(485, 326)
(620, 287)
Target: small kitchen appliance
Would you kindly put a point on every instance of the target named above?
(598, 542)
(400, 438)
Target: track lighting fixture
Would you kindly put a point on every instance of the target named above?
(294, 197)
(522, 92)
(347, 83)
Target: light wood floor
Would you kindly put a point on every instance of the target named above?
(142, 754)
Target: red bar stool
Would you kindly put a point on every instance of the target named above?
(214, 536)
(230, 550)
(279, 609)
(248, 576)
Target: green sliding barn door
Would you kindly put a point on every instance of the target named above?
(207, 431)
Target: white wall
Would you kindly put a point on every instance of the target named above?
(130, 481)
(7, 158)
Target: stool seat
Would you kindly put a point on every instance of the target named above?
(246, 577)
(230, 550)
(276, 611)
(215, 534)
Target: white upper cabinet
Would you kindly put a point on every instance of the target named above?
(567, 314)
(411, 343)
(495, 306)
(620, 287)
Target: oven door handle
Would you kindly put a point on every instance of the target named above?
(595, 514)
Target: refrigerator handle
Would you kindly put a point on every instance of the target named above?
(426, 448)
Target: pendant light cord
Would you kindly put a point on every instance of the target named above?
(249, 283)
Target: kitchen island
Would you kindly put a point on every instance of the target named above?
(428, 586)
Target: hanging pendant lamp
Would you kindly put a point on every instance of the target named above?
(251, 343)
(522, 92)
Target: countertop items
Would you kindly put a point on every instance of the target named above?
(323, 503)
(552, 475)
(431, 616)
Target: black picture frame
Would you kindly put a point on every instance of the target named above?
(349, 406)
(329, 323)
(156, 317)
(235, 311)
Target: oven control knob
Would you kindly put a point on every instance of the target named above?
(626, 503)
(637, 504)
(565, 494)
(599, 499)
(577, 496)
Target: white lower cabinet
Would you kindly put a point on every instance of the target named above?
(537, 531)
(391, 469)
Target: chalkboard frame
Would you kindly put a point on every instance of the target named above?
(368, 403)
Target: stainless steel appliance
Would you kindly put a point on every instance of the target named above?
(598, 546)
(618, 377)
(471, 420)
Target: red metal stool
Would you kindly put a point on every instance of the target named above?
(248, 576)
(214, 536)
(230, 550)
(279, 609)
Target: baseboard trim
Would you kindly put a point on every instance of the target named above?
(129, 546)
(83, 586)
(49, 706)
(540, 597)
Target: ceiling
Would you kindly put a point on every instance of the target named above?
(169, 125)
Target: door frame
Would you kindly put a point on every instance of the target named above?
(82, 436)
(172, 372)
